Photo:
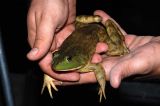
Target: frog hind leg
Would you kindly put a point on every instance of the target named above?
(116, 42)
(100, 76)
(88, 19)
(83, 20)
(49, 82)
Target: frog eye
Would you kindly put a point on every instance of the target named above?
(68, 58)
(55, 54)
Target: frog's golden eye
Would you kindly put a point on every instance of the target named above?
(68, 58)
(56, 54)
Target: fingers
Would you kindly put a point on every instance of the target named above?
(131, 64)
(45, 65)
(104, 15)
(135, 42)
(84, 79)
(44, 18)
(62, 35)
(31, 24)
(41, 37)
(118, 72)
(96, 58)
(101, 47)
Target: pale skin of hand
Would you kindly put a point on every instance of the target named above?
(143, 59)
(49, 23)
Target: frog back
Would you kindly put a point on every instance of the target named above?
(82, 42)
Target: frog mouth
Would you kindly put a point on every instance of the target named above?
(72, 69)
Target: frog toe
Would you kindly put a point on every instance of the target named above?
(49, 83)
(101, 93)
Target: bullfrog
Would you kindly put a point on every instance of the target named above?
(76, 51)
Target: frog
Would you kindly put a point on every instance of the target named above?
(75, 53)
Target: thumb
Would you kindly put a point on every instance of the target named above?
(129, 65)
(43, 40)
(118, 72)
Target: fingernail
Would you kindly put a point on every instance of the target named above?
(33, 52)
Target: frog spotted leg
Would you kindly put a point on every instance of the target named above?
(116, 41)
(83, 20)
(100, 76)
(86, 19)
(49, 82)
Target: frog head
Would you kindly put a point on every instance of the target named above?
(63, 62)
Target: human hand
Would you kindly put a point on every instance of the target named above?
(49, 23)
(143, 59)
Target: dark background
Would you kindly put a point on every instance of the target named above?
(141, 18)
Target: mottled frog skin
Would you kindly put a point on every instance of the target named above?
(76, 52)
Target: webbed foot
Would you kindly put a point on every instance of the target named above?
(101, 93)
(49, 82)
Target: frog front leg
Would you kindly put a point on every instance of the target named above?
(49, 83)
(100, 76)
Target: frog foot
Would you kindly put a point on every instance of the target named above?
(49, 82)
(101, 93)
